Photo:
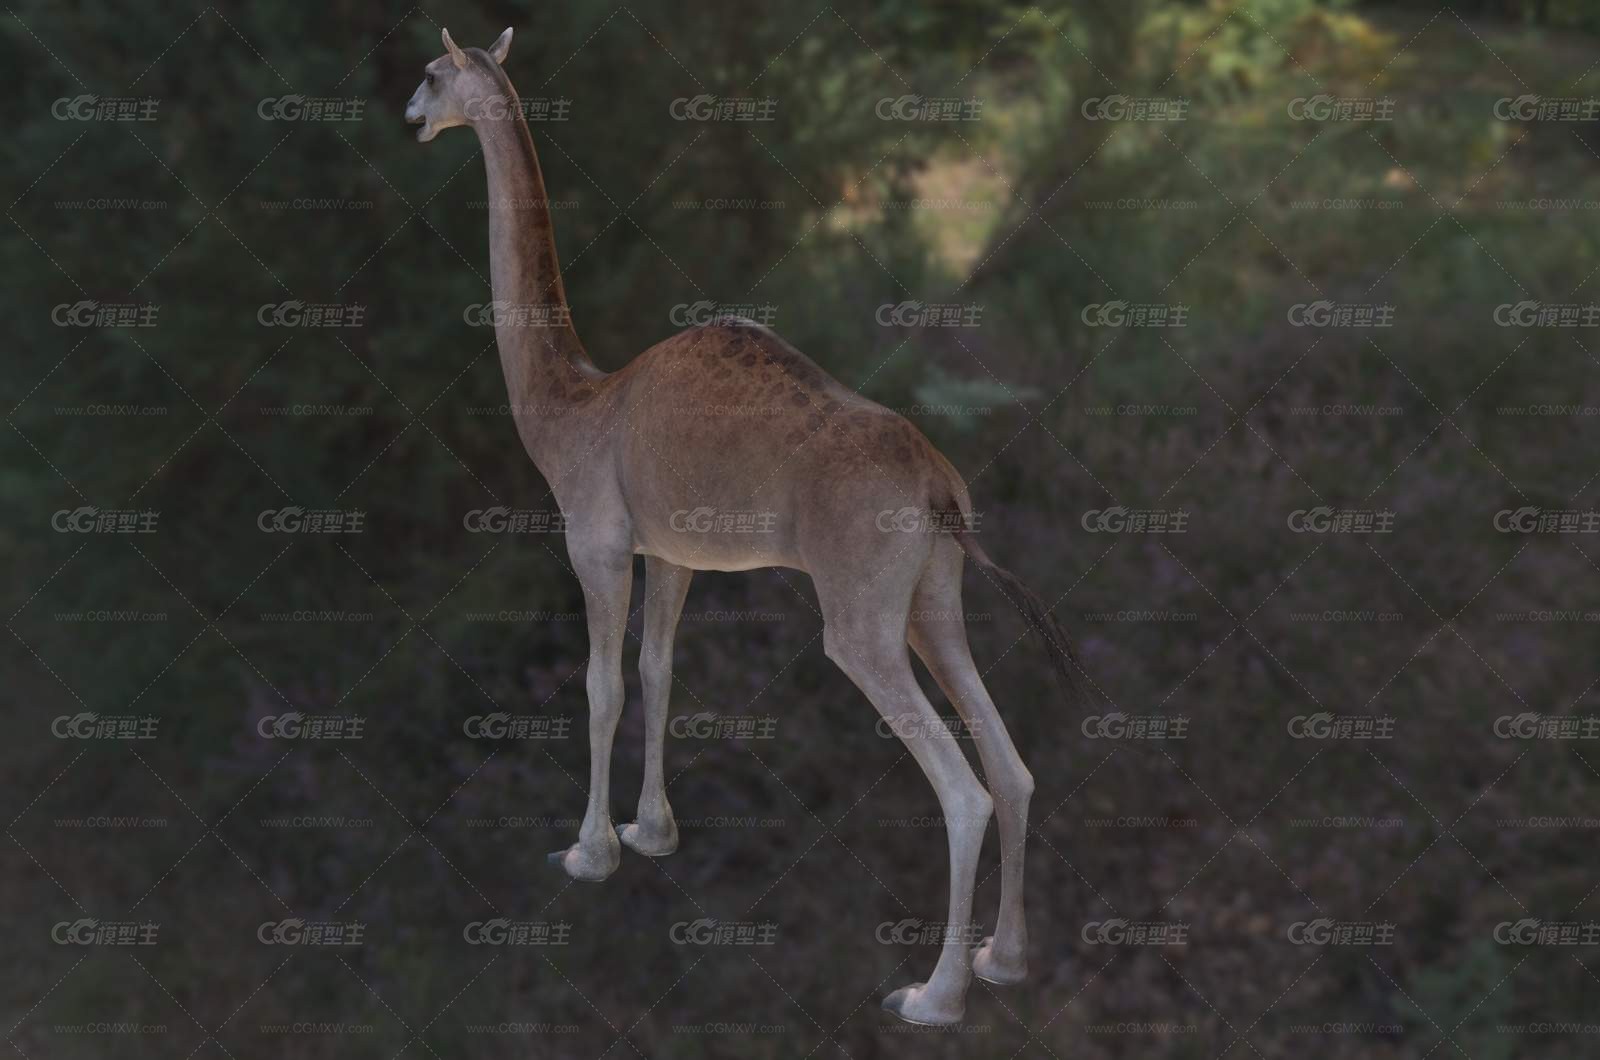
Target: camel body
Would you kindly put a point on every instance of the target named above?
(724, 448)
(730, 450)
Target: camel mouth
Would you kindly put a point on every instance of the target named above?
(427, 132)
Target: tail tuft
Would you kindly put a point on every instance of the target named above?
(1063, 659)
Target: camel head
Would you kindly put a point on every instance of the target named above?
(455, 86)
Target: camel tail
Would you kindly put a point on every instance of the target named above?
(1063, 659)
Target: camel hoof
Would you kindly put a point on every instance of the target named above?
(586, 866)
(913, 1005)
(989, 968)
(651, 846)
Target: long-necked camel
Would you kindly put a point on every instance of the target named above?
(623, 452)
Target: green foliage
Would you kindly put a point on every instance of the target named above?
(1465, 998)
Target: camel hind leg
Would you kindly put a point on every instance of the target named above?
(865, 634)
(938, 634)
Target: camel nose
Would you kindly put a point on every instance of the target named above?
(413, 111)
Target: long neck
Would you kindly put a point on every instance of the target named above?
(546, 369)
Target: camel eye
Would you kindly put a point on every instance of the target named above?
(429, 78)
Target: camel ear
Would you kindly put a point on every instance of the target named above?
(457, 56)
(501, 45)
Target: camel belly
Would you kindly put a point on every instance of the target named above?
(708, 537)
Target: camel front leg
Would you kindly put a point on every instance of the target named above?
(607, 582)
(654, 832)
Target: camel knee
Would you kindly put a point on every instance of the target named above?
(1012, 787)
(655, 674)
